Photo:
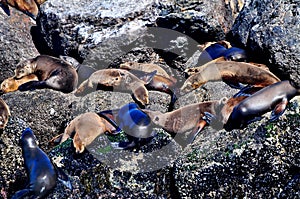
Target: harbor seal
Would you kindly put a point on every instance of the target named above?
(135, 123)
(42, 173)
(117, 79)
(231, 72)
(12, 84)
(273, 98)
(52, 73)
(4, 113)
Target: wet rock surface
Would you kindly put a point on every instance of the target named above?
(270, 31)
(73, 29)
(259, 161)
(15, 41)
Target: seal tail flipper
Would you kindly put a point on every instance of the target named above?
(21, 194)
(55, 140)
(199, 127)
(110, 117)
(247, 91)
(236, 85)
(5, 8)
(63, 177)
(279, 110)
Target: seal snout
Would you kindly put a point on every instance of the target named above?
(28, 138)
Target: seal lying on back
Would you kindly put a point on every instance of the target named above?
(52, 73)
(29, 7)
(42, 173)
(12, 84)
(117, 79)
(84, 129)
(4, 113)
(274, 97)
(230, 72)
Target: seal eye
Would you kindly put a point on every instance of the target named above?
(116, 78)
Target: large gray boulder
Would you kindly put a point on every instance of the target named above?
(109, 29)
(15, 41)
(270, 32)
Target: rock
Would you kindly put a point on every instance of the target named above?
(202, 20)
(15, 41)
(270, 32)
(256, 161)
(103, 31)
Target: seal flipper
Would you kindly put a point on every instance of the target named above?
(279, 109)
(22, 193)
(5, 8)
(32, 85)
(200, 125)
(62, 176)
(234, 85)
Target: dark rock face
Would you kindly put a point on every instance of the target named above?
(15, 41)
(270, 31)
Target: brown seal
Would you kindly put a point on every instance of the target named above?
(117, 79)
(12, 84)
(4, 113)
(29, 7)
(274, 97)
(185, 118)
(52, 73)
(84, 129)
(230, 72)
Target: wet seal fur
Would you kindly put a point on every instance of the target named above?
(84, 129)
(52, 73)
(28, 7)
(230, 72)
(4, 113)
(117, 79)
(274, 97)
(12, 84)
(135, 123)
(42, 173)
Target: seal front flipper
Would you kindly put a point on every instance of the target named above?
(22, 193)
(247, 91)
(32, 85)
(279, 110)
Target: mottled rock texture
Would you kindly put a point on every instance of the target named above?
(270, 32)
(114, 27)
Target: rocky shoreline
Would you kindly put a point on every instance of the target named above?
(261, 161)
